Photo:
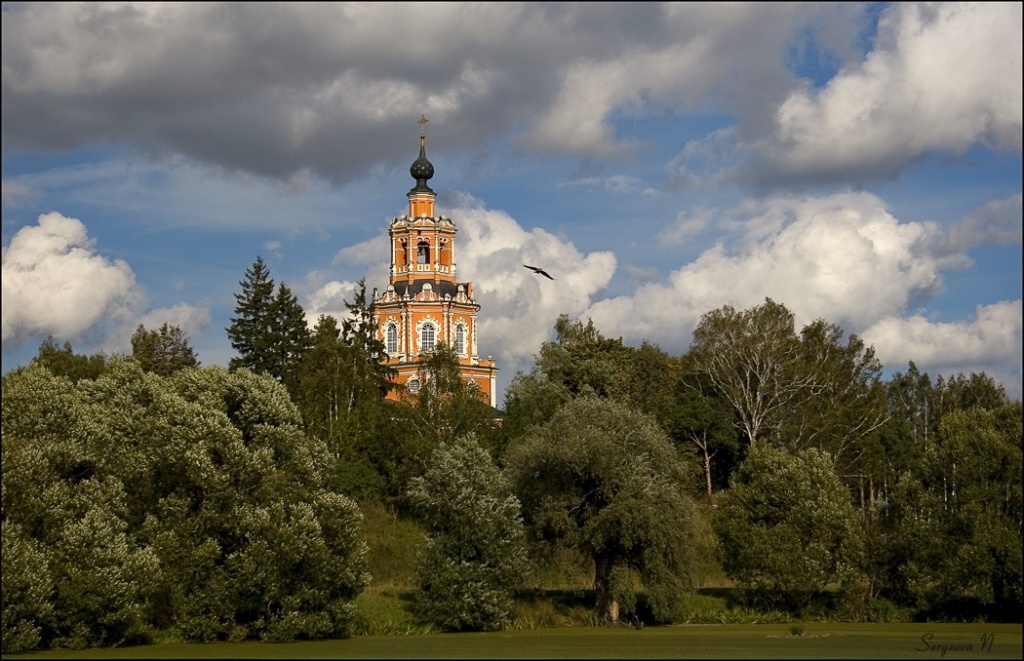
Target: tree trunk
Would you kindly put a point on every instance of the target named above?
(707, 475)
(606, 607)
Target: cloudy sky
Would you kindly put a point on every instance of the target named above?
(859, 163)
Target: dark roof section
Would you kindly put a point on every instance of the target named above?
(415, 287)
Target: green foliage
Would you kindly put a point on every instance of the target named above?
(163, 351)
(606, 481)
(289, 339)
(27, 590)
(800, 391)
(749, 358)
(444, 409)
(958, 536)
(702, 422)
(845, 404)
(249, 329)
(473, 557)
(194, 503)
(63, 361)
(342, 385)
(787, 526)
(580, 361)
(269, 331)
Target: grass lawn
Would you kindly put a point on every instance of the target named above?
(817, 640)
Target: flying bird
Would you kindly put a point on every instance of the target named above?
(539, 270)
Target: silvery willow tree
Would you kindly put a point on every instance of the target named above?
(607, 482)
(474, 555)
(195, 503)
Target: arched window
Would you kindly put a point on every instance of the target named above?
(423, 253)
(413, 384)
(460, 339)
(392, 339)
(427, 337)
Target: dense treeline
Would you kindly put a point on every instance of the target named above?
(145, 494)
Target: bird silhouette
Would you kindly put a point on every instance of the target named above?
(541, 271)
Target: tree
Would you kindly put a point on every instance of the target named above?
(749, 358)
(163, 351)
(648, 382)
(966, 392)
(289, 338)
(845, 403)
(194, 502)
(795, 391)
(27, 590)
(474, 556)
(606, 481)
(63, 361)
(343, 377)
(580, 361)
(447, 407)
(700, 419)
(341, 396)
(967, 493)
(372, 376)
(913, 420)
(269, 331)
(250, 328)
(787, 527)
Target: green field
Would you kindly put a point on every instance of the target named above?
(763, 641)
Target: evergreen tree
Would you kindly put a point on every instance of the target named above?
(269, 331)
(251, 327)
(372, 376)
(289, 339)
(343, 382)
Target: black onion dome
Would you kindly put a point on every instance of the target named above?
(421, 170)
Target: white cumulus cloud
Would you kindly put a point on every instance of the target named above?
(843, 258)
(55, 283)
(941, 77)
(988, 342)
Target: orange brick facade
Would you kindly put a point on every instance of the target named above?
(424, 305)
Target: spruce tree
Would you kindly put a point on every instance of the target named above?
(250, 328)
(269, 331)
(289, 340)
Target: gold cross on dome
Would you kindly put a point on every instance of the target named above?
(422, 120)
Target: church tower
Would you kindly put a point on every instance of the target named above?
(424, 304)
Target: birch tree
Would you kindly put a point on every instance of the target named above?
(749, 358)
